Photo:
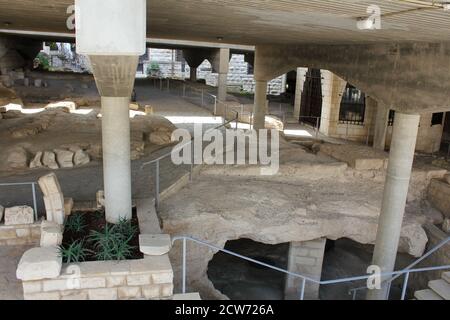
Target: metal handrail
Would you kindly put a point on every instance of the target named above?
(297, 275)
(191, 142)
(409, 267)
(33, 191)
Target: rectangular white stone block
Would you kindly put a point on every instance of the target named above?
(111, 27)
(19, 215)
(49, 184)
(51, 234)
(39, 263)
(154, 244)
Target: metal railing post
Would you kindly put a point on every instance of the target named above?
(157, 185)
(405, 286)
(354, 295)
(168, 84)
(184, 267)
(192, 161)
(160, 84)
(33, 189)
(302, 290)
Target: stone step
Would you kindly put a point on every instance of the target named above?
(427, 294)
(446, 276)
(441, 287)
(155, 244)
(187, 296)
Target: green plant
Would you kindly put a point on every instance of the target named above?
(126, 228)
(111, 243)
(75, 223)
(42, 60)
(153, 68)
(75, 252)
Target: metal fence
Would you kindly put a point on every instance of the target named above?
(33, 193)
(391, 276)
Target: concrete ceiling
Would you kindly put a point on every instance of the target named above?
(253, 22)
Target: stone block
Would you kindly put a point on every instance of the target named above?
(447, 178)
(446, 225)
(134, 106)
(148, 110)
(19, 215)
(56, 285)
(79, 295)
(103, 294)
(81, 158)
(129, 292)
(37, 161)
(92, 283)
(117, 281)
(51, 234)
(155, 244)
(42, 296)
(100, 196)
(64, 158)
(23, 232)
(31, 286)
(39, 263)
(438, 195)
(167, 290)
(49, 160)
(2, 211)
(187, 296)
(69, 105)
(151, 292)
(138, 280)
(7, 233)
(54, 206)
(49, 184)
(68, 206)
(161, 278)
(17, 158)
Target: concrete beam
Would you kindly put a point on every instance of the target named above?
(407, 77)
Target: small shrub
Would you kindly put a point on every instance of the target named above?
(111, 243)
(75, 252)
(126, 228)
(75, 223)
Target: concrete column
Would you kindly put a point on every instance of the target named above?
(224, 60)
(394, 198)
(116, 157)
(193, 74)
(301, 72)
(381, 124)
(304, 258)
(260, 105)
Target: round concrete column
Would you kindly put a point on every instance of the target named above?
(394, 198)
(116, 157)
(259, 108)
(193, 74)
(222, 86)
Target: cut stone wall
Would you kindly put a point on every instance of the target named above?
(238, 77)
(305, 258)
(26, 234)
(439, 196)
(148, 278)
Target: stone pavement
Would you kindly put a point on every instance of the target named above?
(10, 287)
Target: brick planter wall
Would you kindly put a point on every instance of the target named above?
(148, 278)
(25, 234)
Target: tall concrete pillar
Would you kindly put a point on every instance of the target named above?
(113, 41)
(224, 60)
(193, 74)
(394, 198)
(301, 74)
(381, 124)
(260, 104)
(116, 157)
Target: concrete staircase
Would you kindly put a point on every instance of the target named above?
(438, 289)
